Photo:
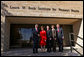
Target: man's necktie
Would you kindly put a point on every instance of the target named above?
(36, 29)
(58, 30)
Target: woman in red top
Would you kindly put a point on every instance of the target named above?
(42, 39)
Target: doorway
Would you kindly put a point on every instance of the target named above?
(21, 34)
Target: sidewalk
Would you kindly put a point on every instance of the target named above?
(28, 52)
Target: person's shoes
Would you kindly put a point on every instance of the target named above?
(54, 51)
(60, 51)
(33, 52)
(47, 51)
(36, 52)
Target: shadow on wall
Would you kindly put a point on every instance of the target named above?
(2, 35)
(4, 11)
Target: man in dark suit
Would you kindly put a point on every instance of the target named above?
(35, 39)
(48, 39)
(60, 37)
(53, 36)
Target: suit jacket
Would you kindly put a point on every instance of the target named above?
(35, 36)
(60, 33)
(53, 33)
(48, 34)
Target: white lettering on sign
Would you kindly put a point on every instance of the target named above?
(43, 8)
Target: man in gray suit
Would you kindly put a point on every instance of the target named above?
(53, 36)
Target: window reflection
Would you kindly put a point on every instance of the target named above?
(25, 33)
(21, 36)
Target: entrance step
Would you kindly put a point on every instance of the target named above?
(28, 52)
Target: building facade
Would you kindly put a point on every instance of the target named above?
(23, 13)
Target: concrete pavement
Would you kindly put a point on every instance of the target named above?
(28, 52)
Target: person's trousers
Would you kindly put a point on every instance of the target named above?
(60, 44)
(49, 46)
(60, 47)
(54, 45)
(35, 48)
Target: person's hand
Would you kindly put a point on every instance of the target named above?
(55, 38)
(45, 40)
(63, 37)
(38, 35)
(50, 38)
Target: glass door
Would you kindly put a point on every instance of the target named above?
(21, 36)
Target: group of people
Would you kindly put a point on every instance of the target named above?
(50, 38)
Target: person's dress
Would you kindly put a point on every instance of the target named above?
(43, 38)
